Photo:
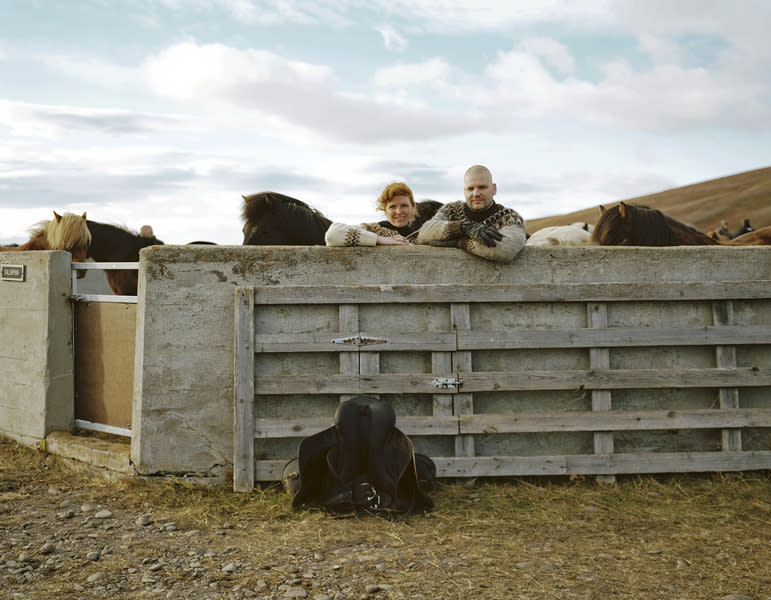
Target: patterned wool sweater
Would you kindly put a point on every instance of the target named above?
(445, 226)
(366, 234)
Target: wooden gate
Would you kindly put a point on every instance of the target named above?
(504, 380)
(104, 343)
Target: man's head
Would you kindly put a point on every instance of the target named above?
(478, 188)
(146, 231)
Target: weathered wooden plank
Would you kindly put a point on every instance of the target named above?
(596, 464)
(441, 363)
(600, 379)
(463, 402)
(323, 342)
(521, 292)
(348, 315)
(243, 391)
(514, 339)
(613, 337)
(486, 424)
(618, 420)
(305, 426)
(725, 358)
(599, 358)
(584, 464)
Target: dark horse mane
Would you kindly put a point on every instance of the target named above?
(633, 225)
(299, 223)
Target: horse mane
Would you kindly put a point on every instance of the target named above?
(256, 205)
(305, 221)
(66, 231)
(424, 211)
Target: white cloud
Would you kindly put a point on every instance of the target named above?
(302, 94)
(555, 54)
(392, 39)
(188, 70)
(432, 72)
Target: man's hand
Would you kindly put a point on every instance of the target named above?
(481, 232)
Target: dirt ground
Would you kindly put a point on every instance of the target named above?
(68, 533)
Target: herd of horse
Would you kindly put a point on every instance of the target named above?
(273, 219)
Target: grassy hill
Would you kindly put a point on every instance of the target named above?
(735, 198)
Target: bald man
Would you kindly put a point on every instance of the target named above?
(479, 225)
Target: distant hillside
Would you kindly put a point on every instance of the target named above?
(703, 205)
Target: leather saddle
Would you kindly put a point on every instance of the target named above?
(362, 464)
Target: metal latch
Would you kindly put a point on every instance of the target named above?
(444, 383)
(357, 340)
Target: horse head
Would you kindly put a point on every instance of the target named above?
(273, 219)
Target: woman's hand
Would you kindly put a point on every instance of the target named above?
(397, 240)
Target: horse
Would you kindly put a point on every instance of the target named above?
(631, 225)
(426, 209)
(560, 235)
(273, 219)
(111, 243)
(68, 232)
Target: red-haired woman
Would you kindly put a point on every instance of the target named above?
(397, 203)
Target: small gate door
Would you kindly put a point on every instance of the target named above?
(105, 336)
(104, 342)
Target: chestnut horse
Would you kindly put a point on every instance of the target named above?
(631, 225)
(64, 232)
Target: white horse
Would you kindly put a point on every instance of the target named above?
(562, 235)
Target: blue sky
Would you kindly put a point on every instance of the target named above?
(167, 111)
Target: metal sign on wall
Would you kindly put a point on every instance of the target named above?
(13, 272)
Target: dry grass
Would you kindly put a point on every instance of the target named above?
(703, 205)
(698, 536)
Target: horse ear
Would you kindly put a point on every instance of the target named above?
(623, 211)
(84, 215)
(244, 197)
(58, 217)
(602, 209)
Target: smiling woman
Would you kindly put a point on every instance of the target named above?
(397, 203)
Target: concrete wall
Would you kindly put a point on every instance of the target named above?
(36, 363)
(183, 389)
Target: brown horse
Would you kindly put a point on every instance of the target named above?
(64, 232)
(631, 225)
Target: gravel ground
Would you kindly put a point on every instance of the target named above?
(66, 536)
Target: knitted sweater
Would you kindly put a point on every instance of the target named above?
(445, 226)
(366, 234)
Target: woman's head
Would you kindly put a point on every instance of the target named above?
(397, 203)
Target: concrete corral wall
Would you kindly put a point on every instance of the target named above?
(183, 415)
(36, 364)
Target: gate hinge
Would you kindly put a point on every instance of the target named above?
(357, 340)
(445, 383)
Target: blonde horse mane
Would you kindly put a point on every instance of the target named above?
(66, 231)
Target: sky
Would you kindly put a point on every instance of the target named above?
(166, 112)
